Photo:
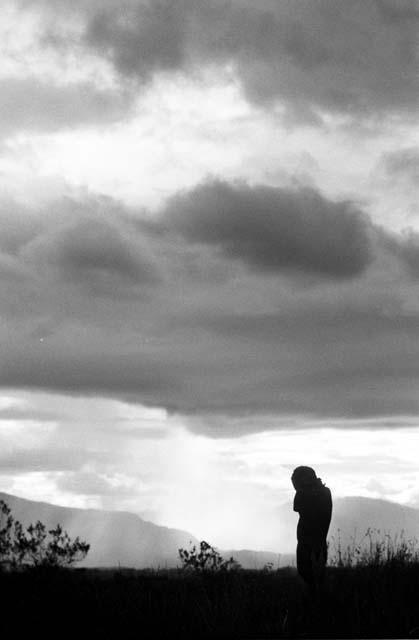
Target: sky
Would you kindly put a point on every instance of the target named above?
(209, 256)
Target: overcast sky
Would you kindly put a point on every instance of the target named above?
(209, 255)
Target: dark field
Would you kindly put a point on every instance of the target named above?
(356, 602)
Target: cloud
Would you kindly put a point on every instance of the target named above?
(92, 372)
(51, 433)
(323, 363)
(274, 230)
(142, 39)
(405, 247)
(357, 59)
(11, 269)
(90, 483)
(48, 459)
(402, 164)
(23, 413)
(30, 104)
(76, 251)
(350, 59)
(233, 300)
(377, 487)
(18, 226)
(92, 250)
(87, 243)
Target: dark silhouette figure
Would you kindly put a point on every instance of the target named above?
(313, 501)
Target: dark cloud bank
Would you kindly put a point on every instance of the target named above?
(274, 230)
(232, 300)
(356, 58)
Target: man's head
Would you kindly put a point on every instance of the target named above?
(303, 477)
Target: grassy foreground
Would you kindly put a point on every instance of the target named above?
(356, 602)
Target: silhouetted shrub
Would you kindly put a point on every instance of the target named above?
(6, 534)
(206, 560)
(36, 546)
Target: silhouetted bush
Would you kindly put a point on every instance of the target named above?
(36, 546)
(6, 534)
(206, 560)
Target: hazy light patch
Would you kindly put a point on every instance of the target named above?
(172, 142)
(122, 481)
(210, 503)
(42, 487)
(133, 412)
(76, 407)
(21, 180)
(11, 401)
(23, 55)
(225, 490)
(401, 488)
(17, 35)
(141, 420)
(104, 487)
(229, 489)
(30, 430)
(182, 131)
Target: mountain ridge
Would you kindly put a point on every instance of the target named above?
(126, 539)
(115, 537)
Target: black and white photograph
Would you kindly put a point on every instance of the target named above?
(209, 318)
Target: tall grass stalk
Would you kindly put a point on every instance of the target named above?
(374, 548)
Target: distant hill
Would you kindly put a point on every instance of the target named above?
(115, 537)
(125, 539)
(352, 516)
(250, 559)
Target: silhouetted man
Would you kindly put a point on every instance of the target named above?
(313, 501)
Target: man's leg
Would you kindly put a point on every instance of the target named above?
(304, 562)
(318, 562)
